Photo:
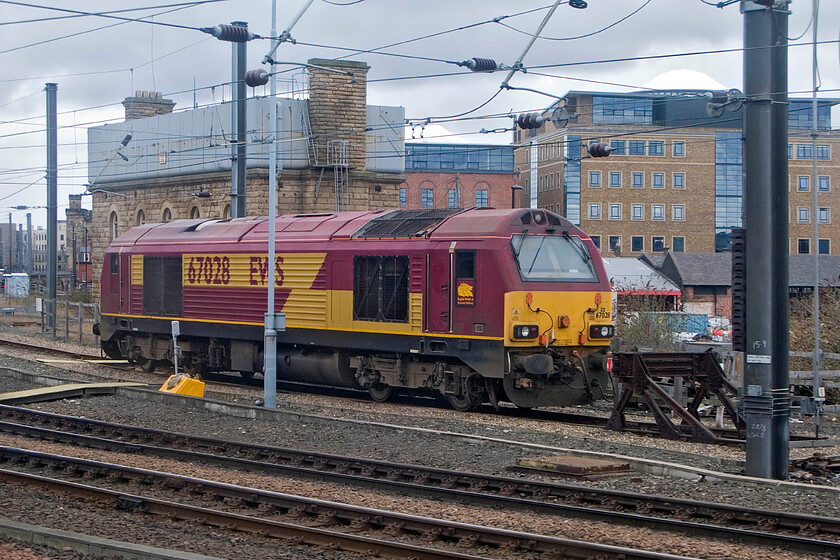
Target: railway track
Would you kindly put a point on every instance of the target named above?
(727, 436)
(805, 533)
(286, 516)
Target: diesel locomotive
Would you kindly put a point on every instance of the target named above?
(479, 305)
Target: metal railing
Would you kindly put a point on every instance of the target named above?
(57, 316)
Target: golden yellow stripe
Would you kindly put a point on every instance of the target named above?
(246, 270)
(137, 270)
(288, 325)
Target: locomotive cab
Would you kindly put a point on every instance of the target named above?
(559, 318)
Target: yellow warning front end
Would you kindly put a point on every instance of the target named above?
(566, 319)
(557, 345)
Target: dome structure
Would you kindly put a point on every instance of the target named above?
(684, 78)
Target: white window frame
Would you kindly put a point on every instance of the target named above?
(803, 215)
(653, 242)
(827, 183)
(597, 208)
(656, 143)
(674, 182)
(825, 211)
(653, 180)
(641, 212)
(799, 241)
(595, 174)
(803, 180)
(661, 211)
(615, 215)
(678, 209)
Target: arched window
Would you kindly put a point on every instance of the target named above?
(113, 225)
(226, 212)
(141, 217)
(195, 213)
(167, 215)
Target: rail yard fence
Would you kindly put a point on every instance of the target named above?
(69, 320)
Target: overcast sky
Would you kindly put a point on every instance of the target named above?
(97, 62)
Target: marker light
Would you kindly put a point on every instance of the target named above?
(526, 331)
(601, 331)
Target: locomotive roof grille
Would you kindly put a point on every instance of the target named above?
(404, 223)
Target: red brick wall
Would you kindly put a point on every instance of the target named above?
(498, 186)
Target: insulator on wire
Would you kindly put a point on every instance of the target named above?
(529, 120)
(717, 96)
(230, 33)
(579, 4)
(599, 149)
(257, 77)
(481, 64)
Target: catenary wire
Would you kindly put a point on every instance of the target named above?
(143, 8)
(439, 33)
(53, 39)
(631, 14)
(108, 15)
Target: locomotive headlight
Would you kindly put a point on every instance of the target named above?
(601, 331)
(526, 331)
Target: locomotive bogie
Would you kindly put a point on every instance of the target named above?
(477, 305)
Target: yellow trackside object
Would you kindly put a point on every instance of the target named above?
(183, 385)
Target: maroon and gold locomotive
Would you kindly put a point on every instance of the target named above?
(480, 305)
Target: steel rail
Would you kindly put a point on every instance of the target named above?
(311, 516)
(728, 436)
(718, 521)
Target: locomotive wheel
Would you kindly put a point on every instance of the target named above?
(112, 349)
(246, 375)
(461, 404)
(475, 393)
(381, 392)
(148, 366)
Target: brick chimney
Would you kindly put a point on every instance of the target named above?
(338, 106)
(147, 104)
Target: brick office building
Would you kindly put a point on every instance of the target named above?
(335, 152)
(458, 176)
(674, 177)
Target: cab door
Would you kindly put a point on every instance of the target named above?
(439, 288)
(118, 280)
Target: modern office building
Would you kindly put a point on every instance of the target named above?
(674, 178)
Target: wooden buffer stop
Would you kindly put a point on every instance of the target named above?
(644, 374)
